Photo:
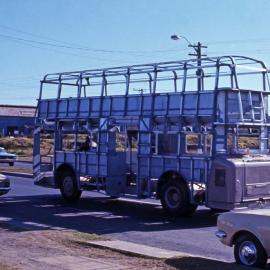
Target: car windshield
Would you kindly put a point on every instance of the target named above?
(2, 150)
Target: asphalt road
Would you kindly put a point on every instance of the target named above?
(36, 208)
(19, 164)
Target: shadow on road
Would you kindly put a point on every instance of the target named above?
(94, 215)
(194, 263)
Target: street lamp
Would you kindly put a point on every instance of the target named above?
(198, 54)
(177, 37)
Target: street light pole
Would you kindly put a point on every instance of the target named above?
(198, 53)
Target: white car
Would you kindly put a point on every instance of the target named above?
(6, 157)
(249, 232)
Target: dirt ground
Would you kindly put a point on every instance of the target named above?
(23, 249)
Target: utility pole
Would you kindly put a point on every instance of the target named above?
(199, 55)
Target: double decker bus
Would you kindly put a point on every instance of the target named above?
(186, 132)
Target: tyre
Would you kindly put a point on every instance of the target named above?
(249, 251)
(175, 199)
(68, 187)
(11, 163)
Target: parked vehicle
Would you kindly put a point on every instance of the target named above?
(4, 184)
(249, 232)
(6, 157)
(192, 132)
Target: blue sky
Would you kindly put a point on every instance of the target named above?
(36, 36)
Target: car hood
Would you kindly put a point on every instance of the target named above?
(3, 177)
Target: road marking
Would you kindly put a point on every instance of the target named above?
(47, 205)
(140, 201)
(104, 215)
(41, 225)
(13, 201)
(5, 219)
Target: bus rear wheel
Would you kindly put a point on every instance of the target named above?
(68, 187)
(175, 199)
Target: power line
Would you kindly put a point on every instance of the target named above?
(72, 46)
(239, 41)
(34, 35)
(46, 43)
(54, 50)
(241, 51)
(51, 48)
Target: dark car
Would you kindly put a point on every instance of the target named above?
(4, 184)
(6, 157)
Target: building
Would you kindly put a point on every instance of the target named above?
(16, 120)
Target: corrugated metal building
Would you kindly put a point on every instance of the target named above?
(16, 120)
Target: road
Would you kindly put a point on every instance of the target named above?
(38, 208)
(19, 164)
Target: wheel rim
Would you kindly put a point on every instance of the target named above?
(173, 197)
(248, 253)
(68, 187)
